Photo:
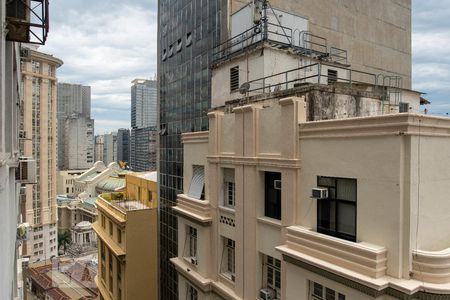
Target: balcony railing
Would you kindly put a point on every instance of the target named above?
(27, 21)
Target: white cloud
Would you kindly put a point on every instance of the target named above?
(106, 126)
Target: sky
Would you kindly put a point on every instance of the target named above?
(107, 44)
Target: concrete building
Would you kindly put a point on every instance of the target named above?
(100, 179)
(99, 145)
(40, 126)
(126, 230)
(66, 181)
(78, 143)
(143, 149)
(72, 211)
(110, 148)
(375, 37)
(123, 145)
(10, 106)
(75, 127)
(143, 103)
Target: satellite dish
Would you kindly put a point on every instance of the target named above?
(245, 87)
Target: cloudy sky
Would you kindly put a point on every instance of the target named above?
(106, 44)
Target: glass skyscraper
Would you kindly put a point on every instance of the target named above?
(188, 32)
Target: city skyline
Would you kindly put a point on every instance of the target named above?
(103, 33)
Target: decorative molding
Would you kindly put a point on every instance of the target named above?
(195, 137)
(254, 161)
(431, 266)
(196, 210)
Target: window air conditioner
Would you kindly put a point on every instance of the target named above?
(277, 184)
(194, 260)
(26, 172)
(266, 294)
(319, 193)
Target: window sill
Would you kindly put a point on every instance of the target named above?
(227, 276)
(270, 221)
(227, 209)
(188, 260)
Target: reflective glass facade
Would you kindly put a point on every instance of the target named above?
(188, 31)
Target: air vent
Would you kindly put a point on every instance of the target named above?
(234, 79)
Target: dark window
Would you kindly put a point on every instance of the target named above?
(272, 195)
(404, 107)
(332, 76)
(234, 78)
(336, 215)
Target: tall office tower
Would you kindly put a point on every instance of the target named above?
(99, 145)
(186, 37)
(74, 102)
(123, 145)
(143, 103)
(78, 143)
(40, 125)
(143, 149)
(110, 148)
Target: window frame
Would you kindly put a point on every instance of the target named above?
(191, 245)
(337, 202)
(228, 262)
(314, 287)
(277, 201)
(229, 188)
(270, 267)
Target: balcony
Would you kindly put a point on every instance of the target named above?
(198, 210)
(307, 245)
(27, 21)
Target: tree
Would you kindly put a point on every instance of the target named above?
(64, 239)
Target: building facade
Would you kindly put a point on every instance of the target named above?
(66, 181)
(143, 103)
(75, 127)
(110, 148)
(126, 230)
(99, 145)
(78, 143)
(40, 126)
(143, 149)
(123, 145)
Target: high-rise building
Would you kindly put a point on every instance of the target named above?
(123, 145)
(78, 143)
(40, 127)
(110, 148)
(143, 103)
(143, 149)
(187, 38)
(99, 145)
(75, 127)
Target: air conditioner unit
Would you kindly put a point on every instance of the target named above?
(319, 193)
(266, 294)
(277, 184)
(26, 172)
(194, 260)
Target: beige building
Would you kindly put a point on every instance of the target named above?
(40, 128)
(66, 181)
(127, 228)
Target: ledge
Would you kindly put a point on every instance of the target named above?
(193, 276)
(198, 210)
(363, 258)
(432, 266)
(392, 124)
(195, 137)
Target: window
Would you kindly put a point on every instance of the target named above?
(192, 293)
(110, 262)
(67, 190)
(319, 292)
(336, 215)
(234, 79)
(110, 228)
(272, 274)
(188, 39)
(103, 221)
(229, 188)
(272, 195)
(150, 196)
(332, 76)
(119, 236)
(228, 259)
(192, 245)
(197, 187)
(119, 279)
(403, 107)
